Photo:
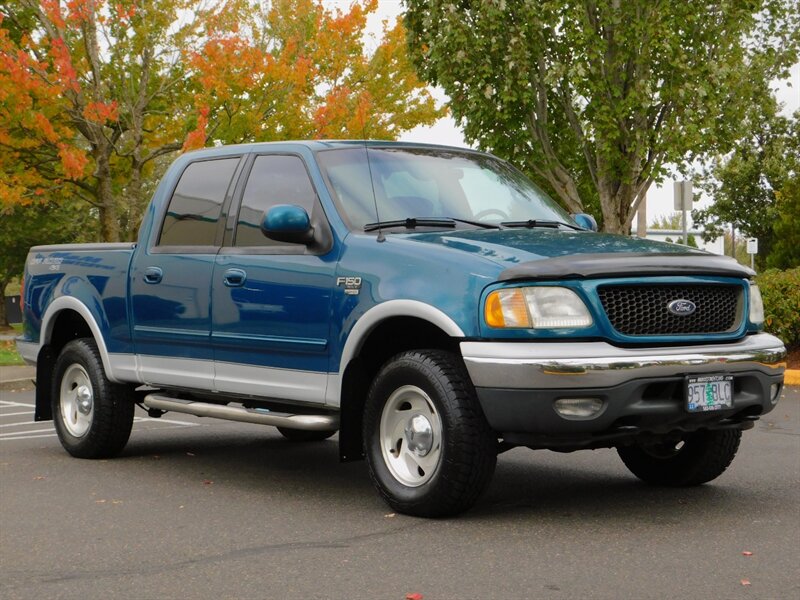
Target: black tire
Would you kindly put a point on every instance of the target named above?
(460, 458)
(101, 428)
(703, 456)
(303, 435)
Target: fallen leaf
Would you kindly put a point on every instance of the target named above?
(747, 553)
(39, 478)
(745, 582)
(207, 482)
(414, 596)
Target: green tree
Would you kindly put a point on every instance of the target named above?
(786, 229)
(673, 222)
(746, 184)
(595, 97)
(23, 226)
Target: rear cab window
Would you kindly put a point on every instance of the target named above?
(194, 214)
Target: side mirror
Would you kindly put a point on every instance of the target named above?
(287, 223)
(586, 221)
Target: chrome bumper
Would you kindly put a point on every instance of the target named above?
(553, 365)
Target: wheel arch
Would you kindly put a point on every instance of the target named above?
(382, 332)
(66, 319)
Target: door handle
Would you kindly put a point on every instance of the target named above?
(234, 278)
(153, 275)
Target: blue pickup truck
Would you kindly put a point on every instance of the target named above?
(430, 304)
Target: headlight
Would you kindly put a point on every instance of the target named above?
(756, 305)
(536, 307)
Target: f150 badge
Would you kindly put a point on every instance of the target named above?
(352, 285)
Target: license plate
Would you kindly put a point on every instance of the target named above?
(709, 392)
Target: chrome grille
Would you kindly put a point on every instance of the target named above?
(642, 310)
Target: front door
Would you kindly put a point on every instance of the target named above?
(271, 300)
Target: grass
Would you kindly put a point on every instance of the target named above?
(8, 350)
(8, 354)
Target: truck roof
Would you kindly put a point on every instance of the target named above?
(318, 145)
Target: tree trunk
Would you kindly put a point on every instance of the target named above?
(133, 200)
(3, 315)
(109, 219)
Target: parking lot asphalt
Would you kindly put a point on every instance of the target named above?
(198, 508)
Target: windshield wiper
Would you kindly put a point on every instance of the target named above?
(411, 223)
(476, 223)
(531, 223)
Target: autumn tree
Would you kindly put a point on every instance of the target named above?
(292, 69)
(94, 90)
(95, 95)
(595, 98)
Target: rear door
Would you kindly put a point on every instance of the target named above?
(171, 281)
(271, 300)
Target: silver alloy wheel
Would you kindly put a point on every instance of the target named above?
(76, 400)
(411, 436)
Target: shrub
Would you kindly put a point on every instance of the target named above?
(781, 293)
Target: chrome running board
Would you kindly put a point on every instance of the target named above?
(244, 415)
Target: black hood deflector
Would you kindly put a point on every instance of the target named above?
(626, 264)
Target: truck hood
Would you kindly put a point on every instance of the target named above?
(547, 253)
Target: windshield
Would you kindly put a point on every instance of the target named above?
(418, 183)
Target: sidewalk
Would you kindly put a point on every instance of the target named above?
(17, 378)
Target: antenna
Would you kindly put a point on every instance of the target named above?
(381, 237)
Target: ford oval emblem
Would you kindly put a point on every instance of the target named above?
(682, 308)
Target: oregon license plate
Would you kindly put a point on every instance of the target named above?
(709, 392)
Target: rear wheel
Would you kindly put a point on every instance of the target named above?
(93, 417)
(696, 458)
(303, 435)
(429, 449)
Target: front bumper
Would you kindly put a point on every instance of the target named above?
(642, 388)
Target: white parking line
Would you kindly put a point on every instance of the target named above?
(14, 433)
(7, 403)
(28, 437)
(23, 434)
(163, 420)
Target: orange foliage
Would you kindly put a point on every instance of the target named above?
(247, 71)
(100, 112)
(308, 75)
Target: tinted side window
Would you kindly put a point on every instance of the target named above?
(194, 210)
(273, 180)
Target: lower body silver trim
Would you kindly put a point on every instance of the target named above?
(29, 351)
(553, 365)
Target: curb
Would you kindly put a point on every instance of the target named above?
(791, 377)
(18, 385)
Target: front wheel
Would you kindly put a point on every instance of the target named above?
(429, 449)
(93, 417)
(696, 458)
